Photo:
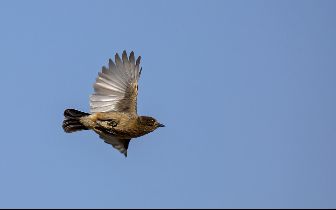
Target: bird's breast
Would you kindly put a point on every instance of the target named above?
(130, 131)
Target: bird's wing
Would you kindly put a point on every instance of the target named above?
(116, 87)
(119, 144)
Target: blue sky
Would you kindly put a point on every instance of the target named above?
(246, 90)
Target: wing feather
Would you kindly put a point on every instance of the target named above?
(115, 88)
(119, 144)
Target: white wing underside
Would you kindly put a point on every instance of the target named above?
(115, 88)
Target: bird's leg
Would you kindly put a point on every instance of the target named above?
(103, 131)
(106, 126)
(107, 123)
(112, 123)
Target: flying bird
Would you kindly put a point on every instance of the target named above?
(113, 105)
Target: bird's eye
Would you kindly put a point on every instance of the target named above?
(150, 122)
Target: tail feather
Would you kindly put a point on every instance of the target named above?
(74, 114)
(72, 122)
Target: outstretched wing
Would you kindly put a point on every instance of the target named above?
(116, 87)
(119, 144)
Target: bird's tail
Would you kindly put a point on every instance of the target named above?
(72, 122)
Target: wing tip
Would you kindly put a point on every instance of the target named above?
(124, 57)
(111, 64)
(138, 60)
(117, 58)
(131, 58)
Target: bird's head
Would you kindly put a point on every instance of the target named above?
(149, 123)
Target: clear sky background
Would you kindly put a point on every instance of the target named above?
(246, 90)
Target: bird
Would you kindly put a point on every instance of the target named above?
(113, 105)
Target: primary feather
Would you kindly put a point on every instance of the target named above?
(115, 88)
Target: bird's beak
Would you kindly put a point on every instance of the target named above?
(161, 125)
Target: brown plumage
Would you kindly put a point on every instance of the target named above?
(114, 106)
